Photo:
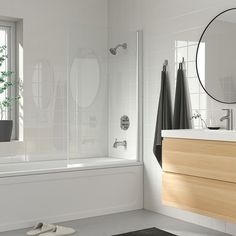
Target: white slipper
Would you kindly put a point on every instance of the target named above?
(59, 231)
(41, 228)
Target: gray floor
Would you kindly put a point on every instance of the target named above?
(129, 221)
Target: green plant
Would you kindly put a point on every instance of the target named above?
(5, 85)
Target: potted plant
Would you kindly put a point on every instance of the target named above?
(6, 100)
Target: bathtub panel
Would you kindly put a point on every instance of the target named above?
(26, 200)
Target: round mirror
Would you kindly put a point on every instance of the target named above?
(84, 80)
(216, 57)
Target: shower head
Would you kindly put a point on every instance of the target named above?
(113, 51)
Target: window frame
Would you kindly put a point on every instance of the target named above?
(12, 113)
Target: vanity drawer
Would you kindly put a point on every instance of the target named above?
(204, 196)
(203, 158)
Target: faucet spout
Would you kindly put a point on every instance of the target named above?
(120, 143)
(224, 118)
(229, 119)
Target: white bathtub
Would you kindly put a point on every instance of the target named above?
(55, 191)
(41, 167)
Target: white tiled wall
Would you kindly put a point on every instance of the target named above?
(163, 23)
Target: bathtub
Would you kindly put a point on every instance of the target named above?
(54, 191)
(41, 167)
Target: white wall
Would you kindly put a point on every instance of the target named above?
(163, 23)
(54, 32)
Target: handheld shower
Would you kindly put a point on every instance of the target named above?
(113, 51)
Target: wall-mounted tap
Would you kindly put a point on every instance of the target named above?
(120, 143)
(229, 119)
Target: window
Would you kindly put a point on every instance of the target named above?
(8, 38)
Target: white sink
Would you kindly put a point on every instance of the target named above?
(205, 134)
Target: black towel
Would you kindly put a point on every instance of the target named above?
(181, 119)
(164, 115)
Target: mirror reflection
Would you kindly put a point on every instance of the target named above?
(216, 57)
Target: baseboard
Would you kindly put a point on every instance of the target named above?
(68, 217)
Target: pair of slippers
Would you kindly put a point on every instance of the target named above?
(42, 229)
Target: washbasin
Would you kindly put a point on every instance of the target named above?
(204, 134)
(215, 130)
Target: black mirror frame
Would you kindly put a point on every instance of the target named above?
(196, 60)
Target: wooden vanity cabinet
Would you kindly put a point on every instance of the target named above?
(200, 176)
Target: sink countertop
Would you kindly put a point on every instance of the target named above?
(204, 134)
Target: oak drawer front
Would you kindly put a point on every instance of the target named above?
(209, 197)
(208, 159)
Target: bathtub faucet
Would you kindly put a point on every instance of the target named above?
(120, 143)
